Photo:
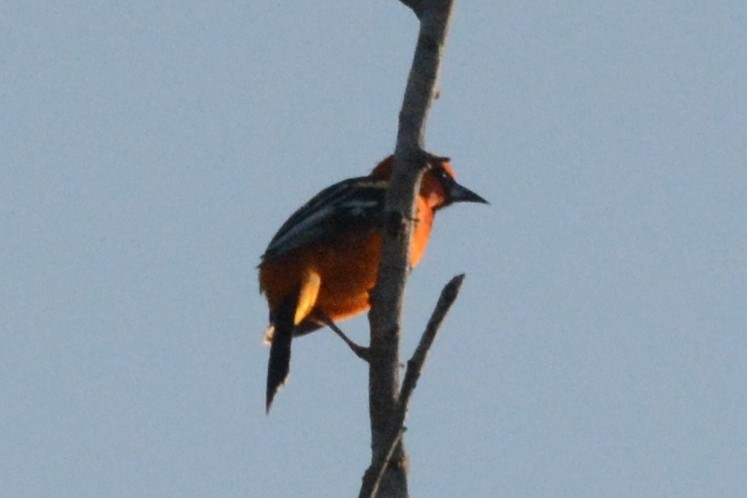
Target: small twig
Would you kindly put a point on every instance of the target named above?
(415, 364)
(414, 369)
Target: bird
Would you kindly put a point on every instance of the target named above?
(322, 264)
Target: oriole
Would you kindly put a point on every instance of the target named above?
(322, 264)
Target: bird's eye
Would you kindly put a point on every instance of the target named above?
(442, 174)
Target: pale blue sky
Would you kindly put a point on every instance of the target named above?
(150, 151)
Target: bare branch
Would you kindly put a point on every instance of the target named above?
(415, 365)
(374, 474)
(387, 297)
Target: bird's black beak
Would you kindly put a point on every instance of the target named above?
(457, 193)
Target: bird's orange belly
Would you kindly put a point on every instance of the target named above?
(348, 270)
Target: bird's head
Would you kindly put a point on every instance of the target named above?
(438, 187)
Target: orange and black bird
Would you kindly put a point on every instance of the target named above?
(322, 264)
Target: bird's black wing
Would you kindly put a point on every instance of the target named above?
(354, 204)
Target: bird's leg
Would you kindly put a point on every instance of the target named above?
(361, 352)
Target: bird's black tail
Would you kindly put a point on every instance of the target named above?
(280, 350)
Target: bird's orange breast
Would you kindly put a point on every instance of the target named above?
(348, 266)
(348, 270)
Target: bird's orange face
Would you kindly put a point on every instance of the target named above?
(440, 188)
(434, 186)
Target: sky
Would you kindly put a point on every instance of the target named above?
(151, 149)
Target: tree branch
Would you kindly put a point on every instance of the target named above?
(375, 472)
(415, 365)
(386, 298)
